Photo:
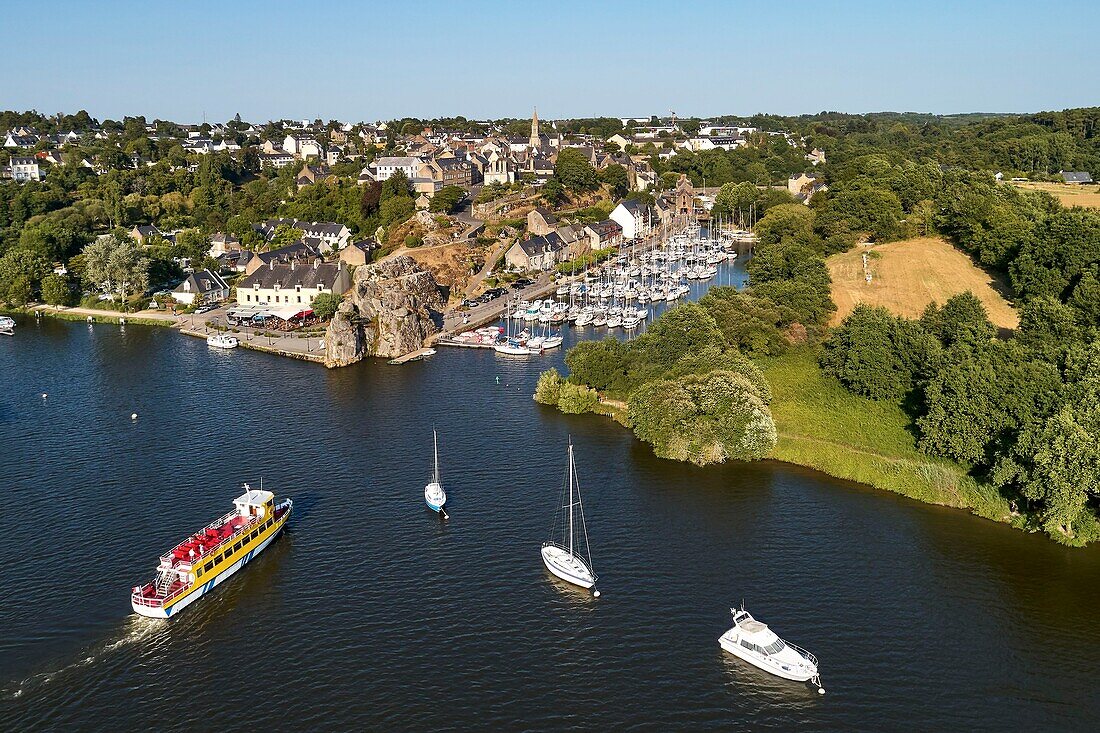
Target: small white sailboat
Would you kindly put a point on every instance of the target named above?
(434, 495)
(758, 645)
(561, 553)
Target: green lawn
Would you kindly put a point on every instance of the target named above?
(823, 426)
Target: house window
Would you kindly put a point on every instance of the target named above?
(248, 298)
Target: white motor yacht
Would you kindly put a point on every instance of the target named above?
(222, 341)
(758, 645)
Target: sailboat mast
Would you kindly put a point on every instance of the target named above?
(435, 447)
(570, 499)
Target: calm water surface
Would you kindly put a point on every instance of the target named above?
(370, 614)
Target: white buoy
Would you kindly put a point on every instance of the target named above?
(595, 594)
(821, 691)
(43, 395)
(133, 416)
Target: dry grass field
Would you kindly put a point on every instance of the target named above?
(1069, 195)
(906, 276)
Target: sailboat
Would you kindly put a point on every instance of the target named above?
(434, 495)
(561, 553)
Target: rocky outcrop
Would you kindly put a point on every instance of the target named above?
(392, 307)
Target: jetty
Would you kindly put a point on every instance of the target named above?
(411, 356)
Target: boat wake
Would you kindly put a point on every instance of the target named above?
(135, 630)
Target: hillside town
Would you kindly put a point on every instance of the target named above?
(478, 203)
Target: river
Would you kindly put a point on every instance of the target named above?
(371, 614)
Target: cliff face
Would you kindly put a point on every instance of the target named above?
(388, 313)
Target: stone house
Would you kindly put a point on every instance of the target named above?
(603, 234)
(541, 221)
(536, 253)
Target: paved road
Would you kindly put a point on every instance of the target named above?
(465, 212)
(453, 319)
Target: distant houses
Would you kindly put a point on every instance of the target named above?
(804, 185)
(201, 287)
(1076, 178)
(24, 169)
(324, 236)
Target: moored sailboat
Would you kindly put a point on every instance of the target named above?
(434, 495)
(561, 553)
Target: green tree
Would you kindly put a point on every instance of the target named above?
(962, 319)
(616, 179)
(575, 172)
(21, 273)
(115, 264)
(325, 305)
(447, 199)
(395, 210)
(57, 290)
(789, 220)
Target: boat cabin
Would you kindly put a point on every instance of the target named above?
(254, 503)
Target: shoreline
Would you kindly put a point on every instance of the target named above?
(881, 472)
(823, 428)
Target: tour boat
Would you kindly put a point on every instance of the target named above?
(561, 553)
(7, 325)
(204, 560)
(758, 645)
(222, 341)
(434, 495)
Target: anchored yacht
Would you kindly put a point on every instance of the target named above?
(758, 645)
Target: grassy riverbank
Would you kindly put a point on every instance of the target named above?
(823, 426)
(97, 317)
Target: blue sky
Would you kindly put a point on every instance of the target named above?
(479, 58)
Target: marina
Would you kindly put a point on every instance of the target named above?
(620, 296)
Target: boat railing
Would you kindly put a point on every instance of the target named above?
(807, 655)
(167, 559)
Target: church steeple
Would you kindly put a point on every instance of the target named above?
(534, 141)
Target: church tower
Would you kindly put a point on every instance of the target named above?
(534, 141)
